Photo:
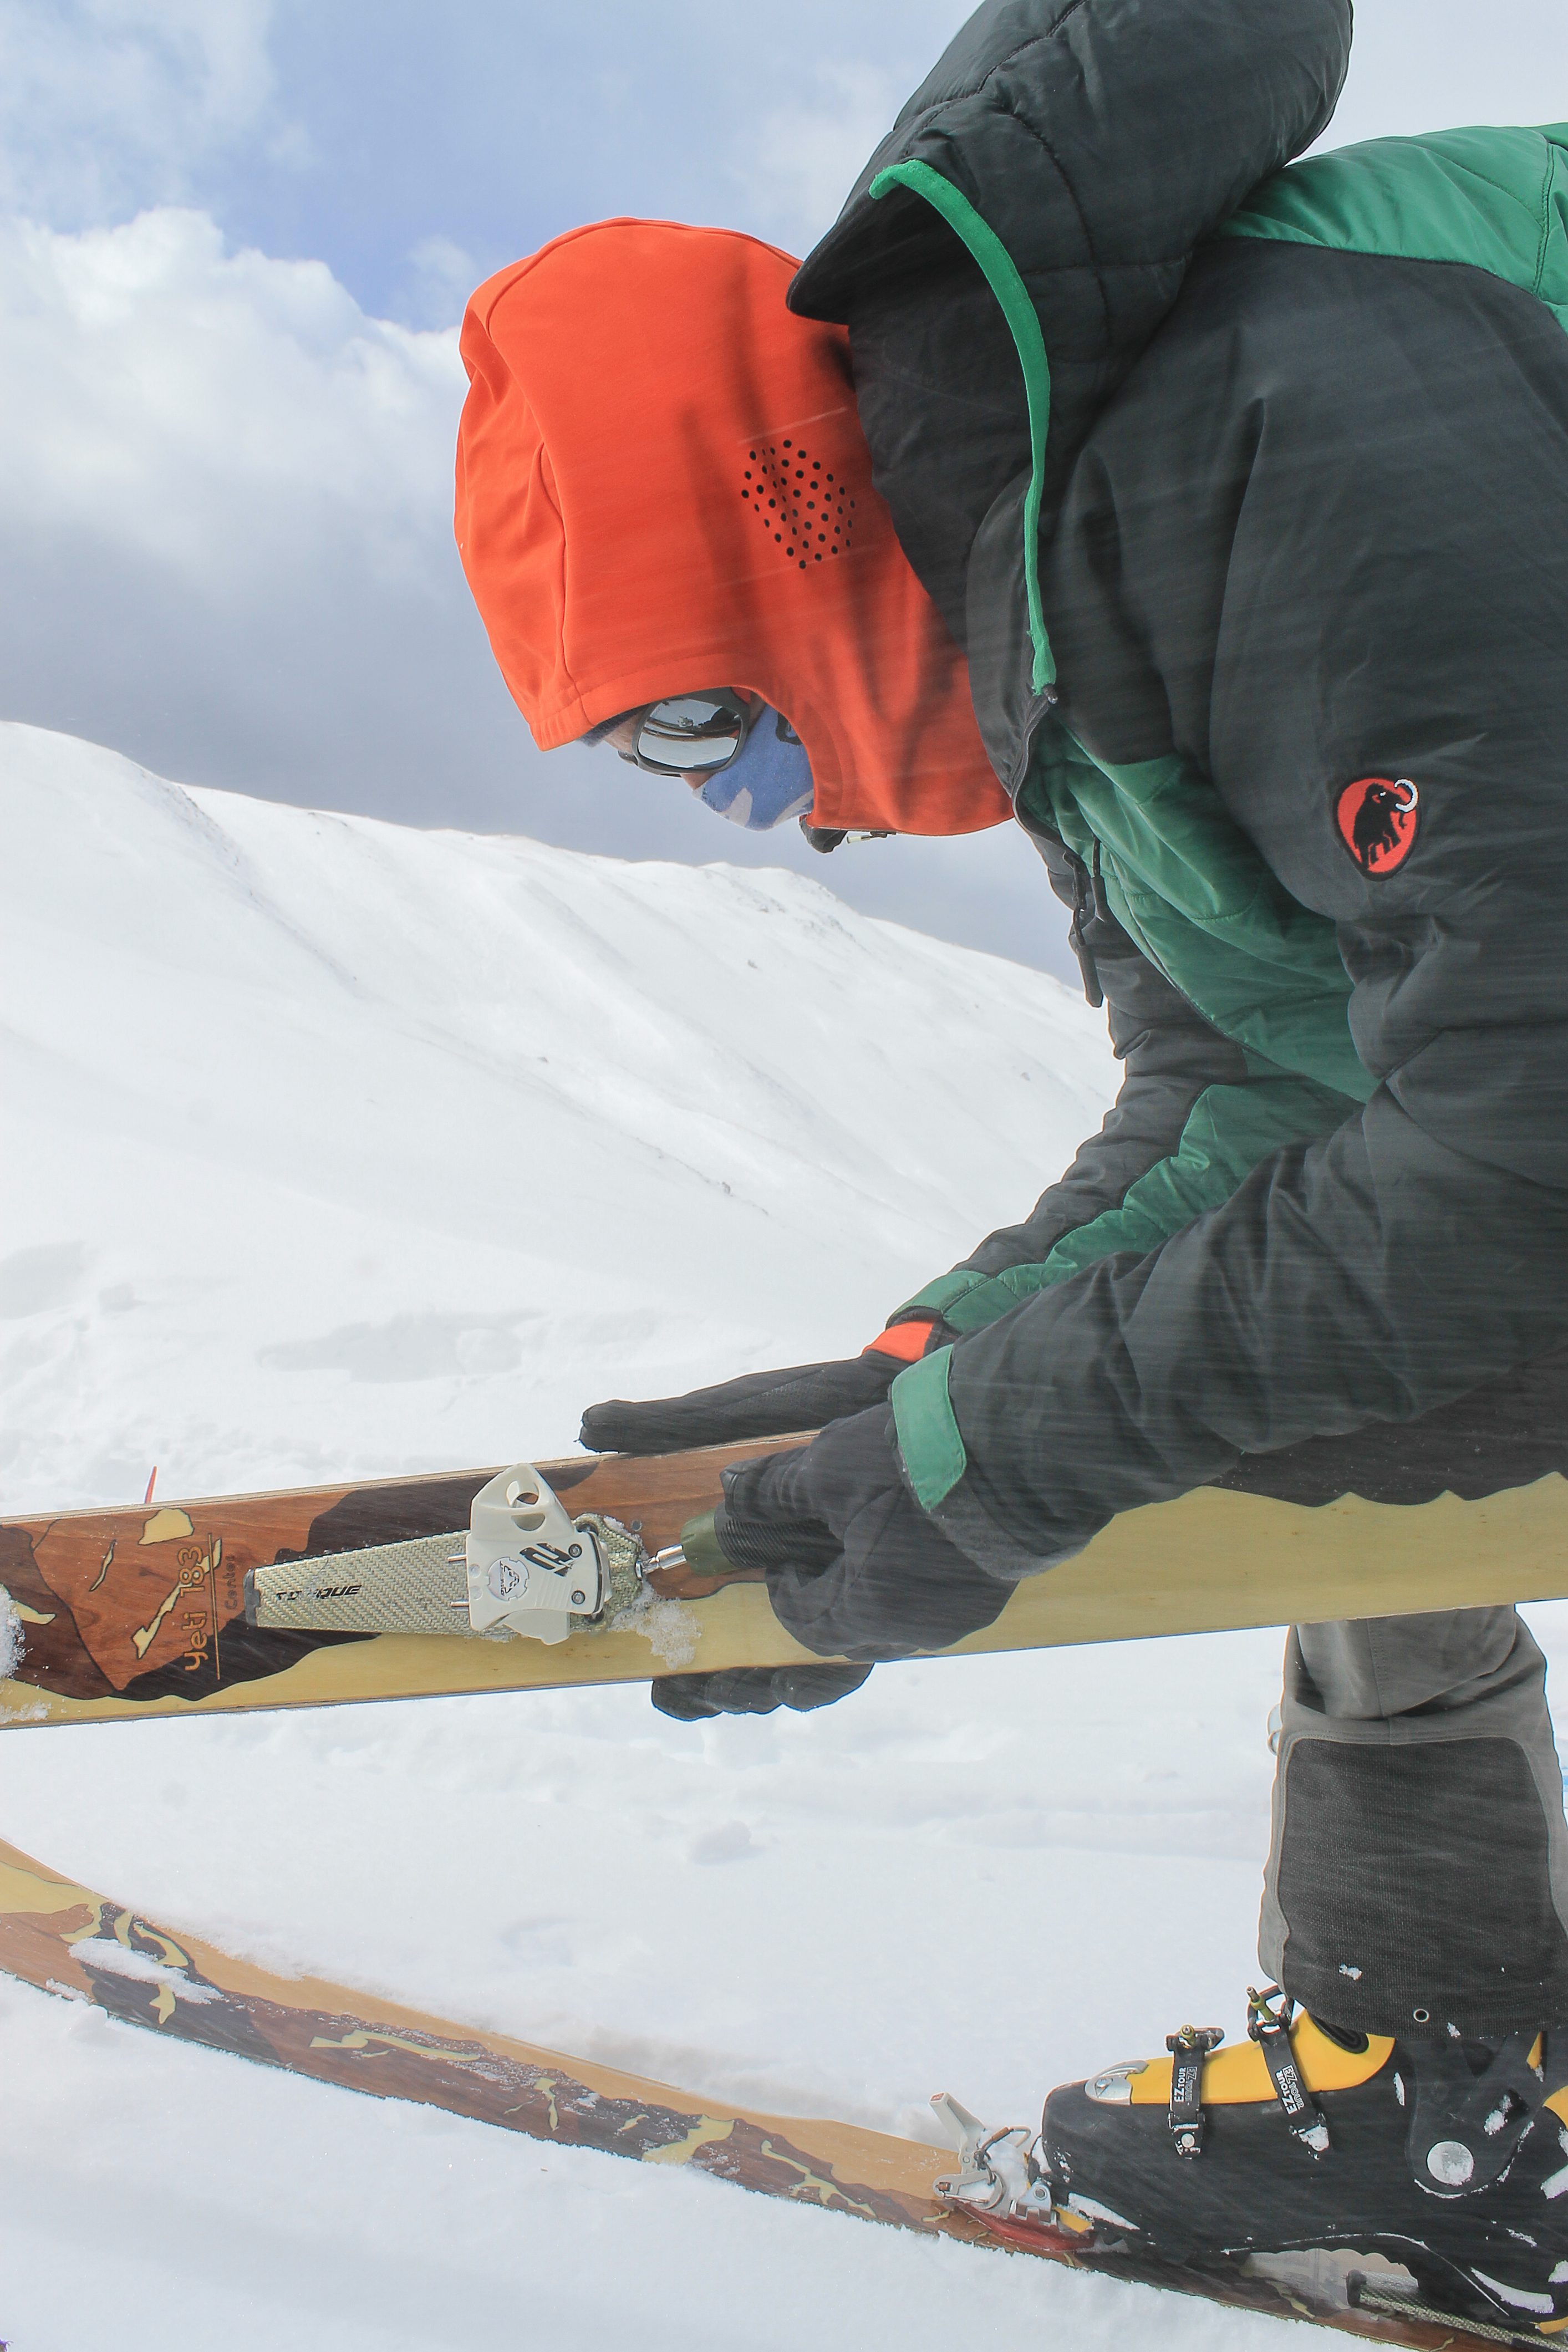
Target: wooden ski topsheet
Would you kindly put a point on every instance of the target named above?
(134, 1613)
(67, 1939)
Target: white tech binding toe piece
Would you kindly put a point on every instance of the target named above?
(522, 1566)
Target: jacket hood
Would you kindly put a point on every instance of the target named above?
(1011, 250)
(663, 485)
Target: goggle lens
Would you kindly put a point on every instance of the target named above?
(691, 730)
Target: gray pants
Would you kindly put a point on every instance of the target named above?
(1418, 1870)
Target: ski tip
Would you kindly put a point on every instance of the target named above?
(150, 1483)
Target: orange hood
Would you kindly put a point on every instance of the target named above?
(663, 485)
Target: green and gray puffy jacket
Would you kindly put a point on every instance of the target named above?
(1245, 489)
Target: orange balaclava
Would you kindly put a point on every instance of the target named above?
(663, 486)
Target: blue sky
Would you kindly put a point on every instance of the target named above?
(235, 236)
(358, 133)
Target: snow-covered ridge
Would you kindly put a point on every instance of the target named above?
(335, 1145)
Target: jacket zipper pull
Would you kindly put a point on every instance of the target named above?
(1082, 900)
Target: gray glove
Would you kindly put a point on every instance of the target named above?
(754, 1690)
(854, 1566)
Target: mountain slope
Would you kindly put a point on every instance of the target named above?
(349, 1147)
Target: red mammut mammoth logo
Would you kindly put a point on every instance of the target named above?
(1377, 821)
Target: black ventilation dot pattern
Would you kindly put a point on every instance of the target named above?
(804, 508)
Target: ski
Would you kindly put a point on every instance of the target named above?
(65, 1940)
(189, 1607)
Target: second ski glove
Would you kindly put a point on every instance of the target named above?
(855, 1569)
(758, 1404)
(754, 1690)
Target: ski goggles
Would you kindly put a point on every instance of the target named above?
(686, 733)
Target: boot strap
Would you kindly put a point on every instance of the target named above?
(1188, 2049)
(1270, 2028)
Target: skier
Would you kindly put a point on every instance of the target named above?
(1236, 498)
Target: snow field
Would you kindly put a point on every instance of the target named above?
(338, 1145)
(331, 1146)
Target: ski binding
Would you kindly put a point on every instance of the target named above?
(529, 1569)
(1000, 2185)
(522, 1566)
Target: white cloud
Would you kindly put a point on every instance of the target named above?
(226, 493)
(105, 104)
(798, 162)
(219, 414)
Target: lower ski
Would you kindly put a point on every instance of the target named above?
(68, 1940)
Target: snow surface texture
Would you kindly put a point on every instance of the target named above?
(339, 1147)
(331, 1147)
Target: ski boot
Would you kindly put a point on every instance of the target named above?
(1445, 2160)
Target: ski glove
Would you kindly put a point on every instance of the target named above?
(754, 1690)
(855, 1569)
(758, 1404)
